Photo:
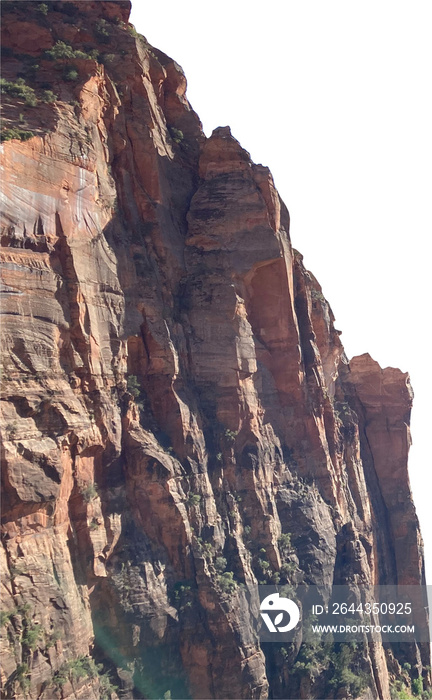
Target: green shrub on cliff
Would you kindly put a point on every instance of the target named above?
(5, 616)
(89, 492)
(82, 667)
(31, 636)
(70, 74)
(398, 692)
(226, 582)
(19, 89)
(193, 499)
(205, 548)
(106, 687)
(107, 58)
(61, 50)
(85, 667)
(183, 596)
(52, 638)
(317, 295)
(176, 134)
(220, 564)
(284, 541)
(288, 568)
(102, 30)
(230, 435)
(22, 675)
(133, 385)
(347, 672)
(20, 134)
(417, 686)
(48, 96)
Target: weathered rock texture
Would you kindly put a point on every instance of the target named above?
(174, 394)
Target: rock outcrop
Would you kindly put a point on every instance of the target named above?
(179, 418)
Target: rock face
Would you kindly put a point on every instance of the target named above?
(175, 397)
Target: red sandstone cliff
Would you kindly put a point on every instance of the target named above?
(174, 393)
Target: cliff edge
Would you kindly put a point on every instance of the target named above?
(179, 418)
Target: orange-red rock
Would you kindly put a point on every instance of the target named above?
(174, 393)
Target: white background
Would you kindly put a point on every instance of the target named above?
(335, 97)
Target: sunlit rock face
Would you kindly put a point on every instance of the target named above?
(179, 418)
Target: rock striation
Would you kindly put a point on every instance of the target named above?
(179, 418)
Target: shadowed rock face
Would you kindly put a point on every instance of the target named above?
(175, 396)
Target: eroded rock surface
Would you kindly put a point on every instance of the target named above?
(175, 397)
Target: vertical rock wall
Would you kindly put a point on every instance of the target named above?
(175, 397)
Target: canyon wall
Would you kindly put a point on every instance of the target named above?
(179, 418)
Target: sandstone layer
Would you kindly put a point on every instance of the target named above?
(175, 397)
